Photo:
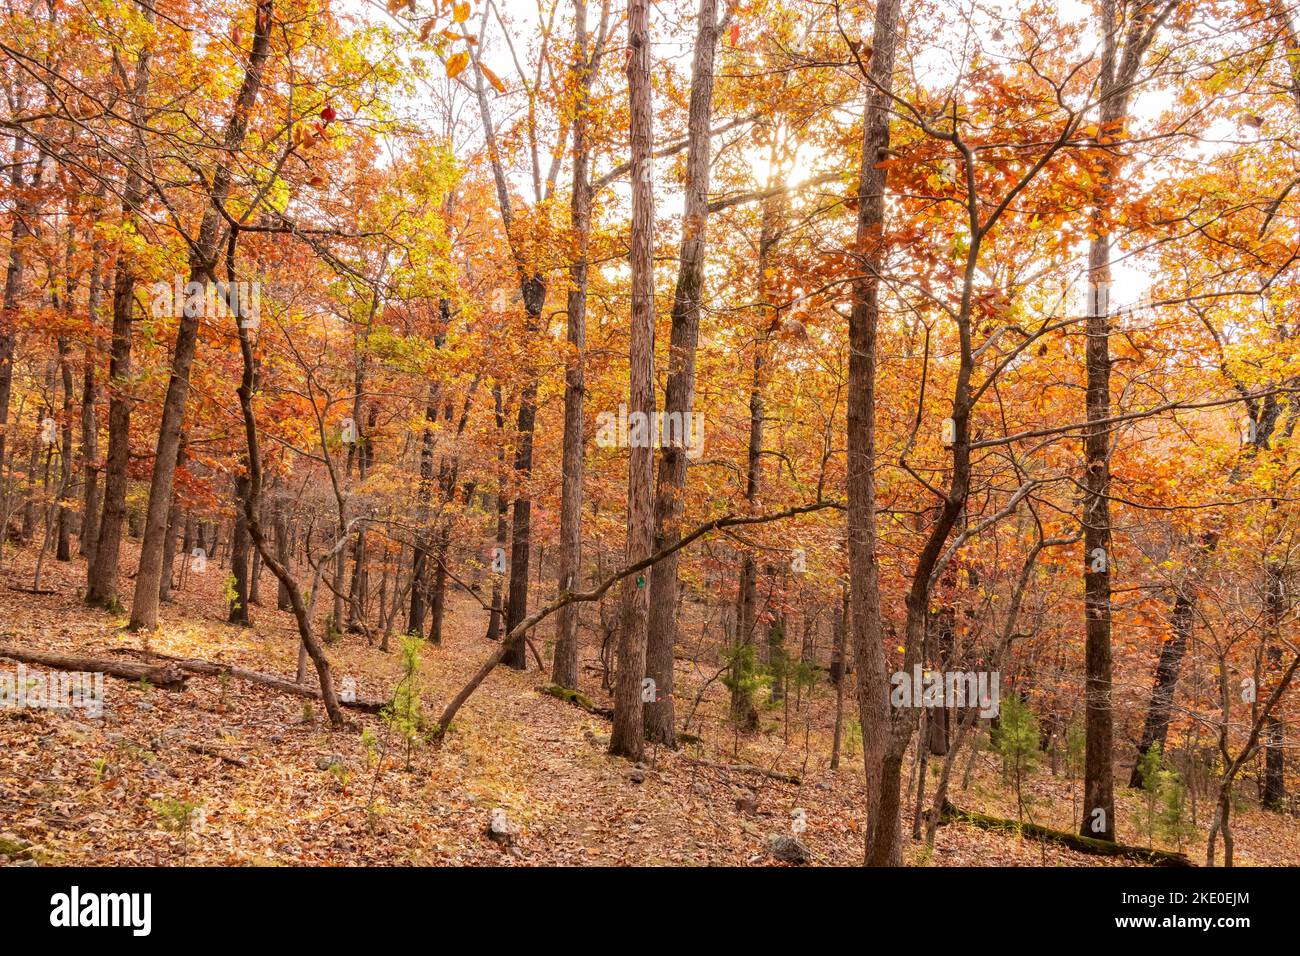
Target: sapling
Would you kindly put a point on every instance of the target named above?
(1151, 764)
(175, 816)
(1017, 745)
(404, 714)
(1171, 818)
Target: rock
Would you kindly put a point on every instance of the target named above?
(500, 829)
(788, 849)
(143, 705)
(636, 776)
(324, 763)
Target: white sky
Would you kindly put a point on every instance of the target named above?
(673, 41)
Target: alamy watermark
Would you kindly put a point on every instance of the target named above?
(924, 688)
(653, 430)
(59, 690)
(215, 300)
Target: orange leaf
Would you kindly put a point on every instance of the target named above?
(493, 79)
(460, 12)
(456, 64)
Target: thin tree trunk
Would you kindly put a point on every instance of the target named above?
(89, 395)
(239, 557)
(565, 667)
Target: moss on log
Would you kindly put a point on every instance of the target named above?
(577, 698)
(1074, 841)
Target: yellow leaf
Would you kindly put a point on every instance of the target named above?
(460, 12)
(456, 64)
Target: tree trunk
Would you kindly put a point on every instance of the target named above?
(144, 607)
(1273, 794)
(101, 576)
(679, 395)
(89, 395)
(173, 529)
(239, 555)
(159, 675)
(864, 616)
(628, 736)
(1155, 729)
(565, 668)
(63, 550)
(1099, 799)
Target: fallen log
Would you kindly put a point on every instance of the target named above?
(1074, 841)
(159, 675)
(745, 768)
(210, 669)
(577, 699)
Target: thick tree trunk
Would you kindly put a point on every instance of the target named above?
(864, 616)
(565, 668)
(679, 395)
(101, 576)
(1099, 799)
(628, 736)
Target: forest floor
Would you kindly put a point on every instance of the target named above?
(81, 791)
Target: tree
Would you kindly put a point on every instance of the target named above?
(628, 737)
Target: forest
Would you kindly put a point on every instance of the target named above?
(691, 433)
